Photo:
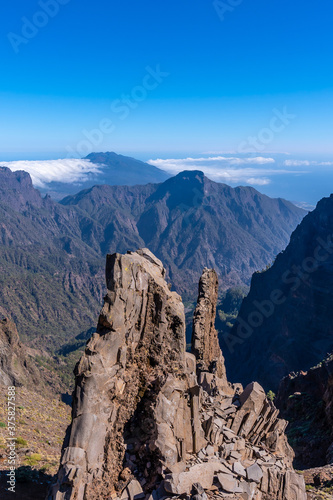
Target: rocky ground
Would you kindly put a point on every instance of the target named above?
(319, 483)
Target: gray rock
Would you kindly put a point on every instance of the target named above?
(239, 469)
(135, 491)
(138, 355)
(227, 482)
(254, 473)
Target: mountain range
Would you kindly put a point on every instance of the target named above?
(52, 254)
(108, 168)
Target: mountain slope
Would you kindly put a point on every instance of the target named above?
(286, 322)
(46, 272)
(52, 255)
(190, 222)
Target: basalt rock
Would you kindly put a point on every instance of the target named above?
(144, 423)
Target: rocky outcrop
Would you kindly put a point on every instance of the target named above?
(205, 342)
(143, 422)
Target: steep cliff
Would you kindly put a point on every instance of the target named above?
(144, 423)
(285, 323)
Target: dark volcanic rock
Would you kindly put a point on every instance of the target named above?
(142, 422)
(17, 190)
(285, 324)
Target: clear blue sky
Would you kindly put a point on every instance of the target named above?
(225, 76)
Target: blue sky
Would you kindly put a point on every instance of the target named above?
(65, 84)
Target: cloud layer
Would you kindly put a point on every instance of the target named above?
(307, 163)
(72, 171)
(254, 171)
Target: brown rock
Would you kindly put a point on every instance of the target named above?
(140, 341)
(205, 343)
(142, 423)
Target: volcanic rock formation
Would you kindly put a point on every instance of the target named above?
(205, 343)
(151, 420)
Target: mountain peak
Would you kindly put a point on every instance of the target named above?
(190, 175)
(16, 188)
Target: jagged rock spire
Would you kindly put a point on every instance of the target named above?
(142, 422)
(205, 342)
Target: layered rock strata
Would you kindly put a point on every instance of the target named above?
(150, 420)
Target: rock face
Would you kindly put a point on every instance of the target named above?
(15, 366)
(144, 423)
(285, 323)
(306, 399)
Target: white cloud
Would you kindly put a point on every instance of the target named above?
(230, 160)
(306, 163)
(256, 181)
(254, 171)
(45, 171)
(297, 163)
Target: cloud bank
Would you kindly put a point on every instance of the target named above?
(254, 171)
(42, 172)
(307, 163)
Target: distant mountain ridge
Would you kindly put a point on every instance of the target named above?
(52, 254)
(114, 170)
(189, 222)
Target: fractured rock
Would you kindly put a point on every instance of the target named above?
(254, 473)
(150, 420)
